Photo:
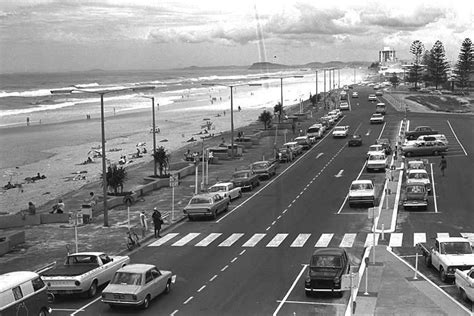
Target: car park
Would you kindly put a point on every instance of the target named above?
(264, 169)
(136, 285)
(344, 106)
(372, 98)
(376, 162)
(424, 148)
(246, 179)
(419, 176)
(304, 141)
(340, 131)
(354, 140)
(361, 192)
(226, 189)
(415, 195)
(325, 271)
(377, 118)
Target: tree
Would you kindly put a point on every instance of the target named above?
(426, 60)
(116, 177)
(417, 48)
(394, 80)
(266, 118)
(437, 65)
(162, 159)
(278, 108)
(465, 64)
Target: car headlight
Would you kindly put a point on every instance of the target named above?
(337, 281)
(450, 270)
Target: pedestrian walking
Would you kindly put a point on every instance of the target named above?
(143, 223)
(443, 164)
(157, 222)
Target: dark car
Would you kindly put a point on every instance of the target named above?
(325, 271)
(415, 196)
(264, 169)
(246, 179)
(355, 140)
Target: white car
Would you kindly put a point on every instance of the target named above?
(436, 137)
(464, 281)
(372, 97)
(419, 176)
(377, 118)
(416, 164)
(315, 131)
(376, 162)
(375, 149)
(340, 131)
(226, 189)
(361, 192)
(344, 106)
(335, 114)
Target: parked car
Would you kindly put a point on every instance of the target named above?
(340, 131)
(264, 169)
(336, 114)
(415, 195)
(377, 162)
(295, 148)
(464, 281)
(435, 137)
(424, 148)
(136, 285)
(381, 108)
(411, 164)
(304, 141)
(207, 205)
(355, 140)
(331, 120)
(226, 189)
(285, 154)
(325, 271)
(83, 272)
(344, 106)
(315, 131)
(361, 192)
(375, 149)
(419, 131)
(379, 93)
(419, 176)
(246, 179)
(386, 144)
(377, 118)
(372, 98)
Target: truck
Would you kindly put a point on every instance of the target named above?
(83, 272)
(464, 281)
(448, 254)
(418, 131)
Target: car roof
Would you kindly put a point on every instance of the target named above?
(290, 143)
(329, 251)
(362, 181)
(302, 137)
(417, 171)
(11, 279)
(222, 183)
(89, 253)
(136, 267)
(453, 239)
(260, 161)
(205, 195)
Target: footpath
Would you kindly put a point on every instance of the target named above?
(392, 288)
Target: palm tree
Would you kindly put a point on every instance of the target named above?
(265, 117)
(116, 177)
(162, 159)
(278, 108)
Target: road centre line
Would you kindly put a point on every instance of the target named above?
(290, 290)
(242, 252)
(213, 278)
(456, 136)
(347, 195)
(224, 268)
(81, 309)
(381, 132)
(188, 300)
(175, 311)
(233, 260)
(433, 189)
(202, 288)
(357, 128)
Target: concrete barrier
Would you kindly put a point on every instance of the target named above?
(47, 218)
(4, 247)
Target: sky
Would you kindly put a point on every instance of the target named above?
(69, 35)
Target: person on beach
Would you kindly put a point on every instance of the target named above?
(31, 208)
(443, 164)
(59, 207)
(143, 224)
(27, 121)
(157, 222)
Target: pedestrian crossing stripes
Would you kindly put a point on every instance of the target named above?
(319, 240)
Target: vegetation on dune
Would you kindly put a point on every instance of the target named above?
(440, 103)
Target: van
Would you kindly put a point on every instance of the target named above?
(23, 293)
(314, 131)
(436, 137)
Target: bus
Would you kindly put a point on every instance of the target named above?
(23, 293)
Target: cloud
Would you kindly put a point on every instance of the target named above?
(403, 20)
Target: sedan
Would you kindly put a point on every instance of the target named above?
(372, 98)
(344, 106)
(246, 179)
(137, 285)
(210, 204)
(355, 140)
(377, 118)
(423, 148)
(355, 94)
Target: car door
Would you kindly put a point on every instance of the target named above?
(149, 285)
(158, 283)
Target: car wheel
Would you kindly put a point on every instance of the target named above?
(43, 312)
(92, 290)
(408, 154)
(146, 302)
(112, 306)
(190, 218)
(168, 287)
(442, 274)
(308, 293)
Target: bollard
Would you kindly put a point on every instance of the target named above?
(366, 280)
(383, 231)
(416, 267)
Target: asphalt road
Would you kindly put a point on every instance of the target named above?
(252, 259)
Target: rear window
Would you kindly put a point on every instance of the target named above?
(127, 278)
(326, 261)
(361, 186)
(313, 130)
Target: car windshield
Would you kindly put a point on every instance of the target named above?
(200, 200)
(455, 248)
(326, 261)
(417, 175)
(415, 165)
(375, 148)
(259, 165)
(416, 189)
(217, 188)
(361, 186)
(339, 128)
(376, 157)
(376, 115)
(82, 259)
(355, 136)
(127, 278)
(241, 175)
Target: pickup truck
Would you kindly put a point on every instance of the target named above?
(418, 131)
(264, 169)
(226, 189)
(83, 272)
(465, 283)
(447, 255)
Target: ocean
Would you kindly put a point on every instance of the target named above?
(27, 97)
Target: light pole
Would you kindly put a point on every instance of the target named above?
(102, 92)
(154, 130)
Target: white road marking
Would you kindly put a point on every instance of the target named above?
(381, 132)
(224, 268)
(300, 240)
(183, 241)
(174, 313)
(433, 189)
(369, 240)
(319, 155)
(163, 240)
(456, 136)
(418, 237)
(233, 260)
(231, 240)
(313, 303)
(213, 278)
(242, 252)
(82, 308)
(348, 240)
(201, 288)
(253, 240)
(396, 240)
(208, 240)
(289, 291)
(277, 240)
(339, 174)
(188, 300)
(324, 240)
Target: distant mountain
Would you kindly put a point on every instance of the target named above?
(314, 65)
